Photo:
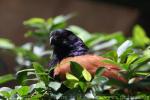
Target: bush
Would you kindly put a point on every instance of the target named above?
(34, 82)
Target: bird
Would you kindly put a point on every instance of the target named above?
(68, 47)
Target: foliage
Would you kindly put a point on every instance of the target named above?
(34, 81)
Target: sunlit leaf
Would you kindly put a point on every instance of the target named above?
(90, 95)
(105, 45)
(147, 52)
(59, 19)
(138, 34)
(131, 58)
(24, 90)
(34, 22)
(71, 77)
(124, 47)
(97, 38)
(111, 55)
(139, 62)
(104, 98)
(86, 75)
(40, 84)
(108, 61)
(99, 80)
(5, 92)
(54, 85)
(6, 44)
(36, 97)
(59, 22)
(83, 34)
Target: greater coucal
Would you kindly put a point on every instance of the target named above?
(68, 47)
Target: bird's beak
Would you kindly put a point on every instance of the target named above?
(50, 40)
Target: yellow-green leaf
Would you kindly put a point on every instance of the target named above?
(71, 77)
(86, 75)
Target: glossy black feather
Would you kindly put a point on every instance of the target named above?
(65, 44)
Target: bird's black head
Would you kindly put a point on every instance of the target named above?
(65, 44)
(60, 37)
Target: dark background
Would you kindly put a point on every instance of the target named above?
(94, 15)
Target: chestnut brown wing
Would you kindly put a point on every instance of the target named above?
(91, 63)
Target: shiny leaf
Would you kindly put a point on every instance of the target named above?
(86, 75)
(71, 77)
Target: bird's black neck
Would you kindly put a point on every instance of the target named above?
(75, 49)
(58, 54)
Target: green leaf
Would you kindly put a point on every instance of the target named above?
(36, 97)
(40, 72)
(24, 90)
(49, 23)
(131, 58)
(94, 39)
(108, 61)
(124, 47)
(59, 19)
(59, 22)
(34, 22)
(97, 38)
(87, 76)
(104, 97)
(5, 94)
(40, 84)
(99, 71)
(138, 34)
(22, 75)
(83, 86)
(6, 78)
(71, 83)
(139, 62)
(81, 33)
(54, 85)
(143, 73)
(13, 92)
(99, 80)
(111, 55)
(119, 36)
(71, 77)
(6, 44)
(76, 69)
(105, 45)
(122, 59)
(147, 52)
(26, 54)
